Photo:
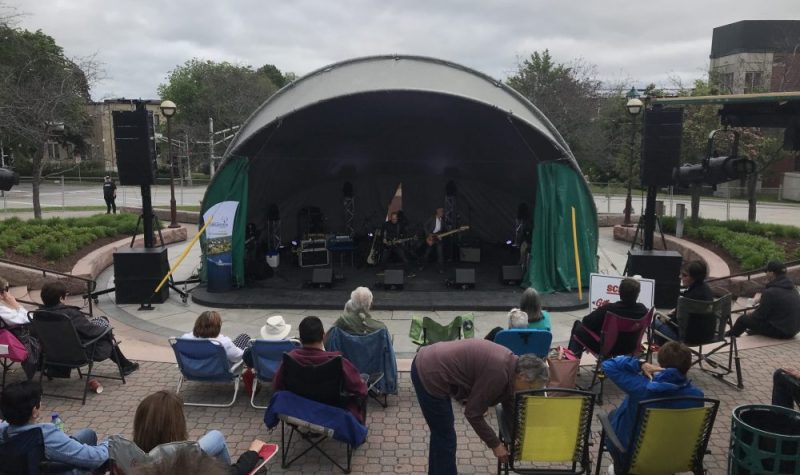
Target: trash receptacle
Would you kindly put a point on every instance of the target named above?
(764, 440)
(220, 275)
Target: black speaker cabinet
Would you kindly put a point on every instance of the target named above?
(393, 279)
(511, 275)
(662, 266)
(469, 254)
(465, 278)
(137, 272)
(661, 145)
(135, 146)
(322, 277)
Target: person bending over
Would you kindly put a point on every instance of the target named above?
(312, 352)
(640, 381)
(626, 307)
(778, 311)
(480, 373)
(21, 405)
(54, 295)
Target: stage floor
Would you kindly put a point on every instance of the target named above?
(423, 290)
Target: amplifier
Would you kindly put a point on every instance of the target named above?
(314, 257)
(310, 244)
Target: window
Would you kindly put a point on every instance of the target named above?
(726, 83)
(753, 82)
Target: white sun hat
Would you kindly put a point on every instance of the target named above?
(275, 329)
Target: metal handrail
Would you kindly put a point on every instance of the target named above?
(91, 284)
(750, 272)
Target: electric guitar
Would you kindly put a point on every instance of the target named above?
(375, 251)
(432, 238)
(395, 242)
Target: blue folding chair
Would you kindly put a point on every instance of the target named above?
(205, 361)
(522, 341)
(267, 357)
(373, 355)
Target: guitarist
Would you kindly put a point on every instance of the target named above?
(393, 230)
(433, 227)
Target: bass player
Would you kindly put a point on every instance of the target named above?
(433, 227)
(393, 239)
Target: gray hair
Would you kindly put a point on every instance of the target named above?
(532, 368)
(531, 304)
(517, 319)
(361, 299)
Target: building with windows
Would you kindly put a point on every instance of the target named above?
(756, 56)
(101, 142)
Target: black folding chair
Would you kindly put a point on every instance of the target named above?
(62, 347)
(23, 454)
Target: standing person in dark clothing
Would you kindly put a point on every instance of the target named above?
(110, 194)
(434, 226)
(778, 311)
(479, 373)
(393, 231)
(626, 307)
(54, 294)
(693, 277)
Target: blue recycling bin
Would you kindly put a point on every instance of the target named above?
(220, 274)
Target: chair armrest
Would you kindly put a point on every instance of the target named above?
(237, 366)
(608, 430)
(94, 340)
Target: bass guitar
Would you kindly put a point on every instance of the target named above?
(395, 242)
(432, 238)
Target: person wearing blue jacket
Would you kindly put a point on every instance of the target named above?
(641, 381)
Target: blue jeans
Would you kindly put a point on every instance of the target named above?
(438, 414)
(213, 443)
(669, 331)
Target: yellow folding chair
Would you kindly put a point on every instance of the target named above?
(547, 434)
(666, 440)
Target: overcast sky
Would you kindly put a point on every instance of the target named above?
(139, 42)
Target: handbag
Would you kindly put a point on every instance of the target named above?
(15, 349)
(563, 366)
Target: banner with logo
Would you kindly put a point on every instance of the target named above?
(604, 289)
(219, 234)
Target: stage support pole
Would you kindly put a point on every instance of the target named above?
(577, 256)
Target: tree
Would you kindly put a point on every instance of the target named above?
(566, 94)
(43, 97)
(226, 92)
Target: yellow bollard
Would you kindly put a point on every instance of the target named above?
(577, 256)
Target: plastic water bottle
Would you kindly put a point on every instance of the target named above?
(58, 422)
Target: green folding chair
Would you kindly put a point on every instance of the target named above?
(426, 331)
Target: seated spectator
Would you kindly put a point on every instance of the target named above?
(15, 318)
(208, 326)
(184, 461)
(356, 319)
(54, 294)
(531, 304)
(626, 307)
(693, 278)
(312, 352)
(516, 319)
(22, 407)
(778, 311)
(160, 420)
(786, 388)
(640, 381)
(275, 329)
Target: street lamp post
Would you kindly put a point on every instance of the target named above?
(168, 109)
(634, 107)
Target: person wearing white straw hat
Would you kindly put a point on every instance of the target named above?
(276, 328)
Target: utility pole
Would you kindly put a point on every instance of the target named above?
(188, 158)
(211, 169)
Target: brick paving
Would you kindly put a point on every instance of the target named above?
(397, 441)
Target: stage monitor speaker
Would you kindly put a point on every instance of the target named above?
(135, 146)
(322, 277)
(661, 145)
(137, 272)
(465, 278)
(469, 254)
(662, 266)
(393, 279)
(511, 275)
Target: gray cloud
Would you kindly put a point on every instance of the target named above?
(139, 42)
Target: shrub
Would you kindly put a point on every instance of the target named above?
(55, 251)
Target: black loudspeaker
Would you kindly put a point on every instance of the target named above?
(465, 278)
(662, 266)
(137, 272)
(661, 145)
(322, 277)
(511, 275)
(393, 279)
(469, 254)
(135, 146)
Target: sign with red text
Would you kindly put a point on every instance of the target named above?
(604, 289)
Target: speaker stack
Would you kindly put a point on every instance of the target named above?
(393, 279)
(322, 277)
(134, 142)
(137, 272)
(661, 146)
(465, 278)
(662, 266)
